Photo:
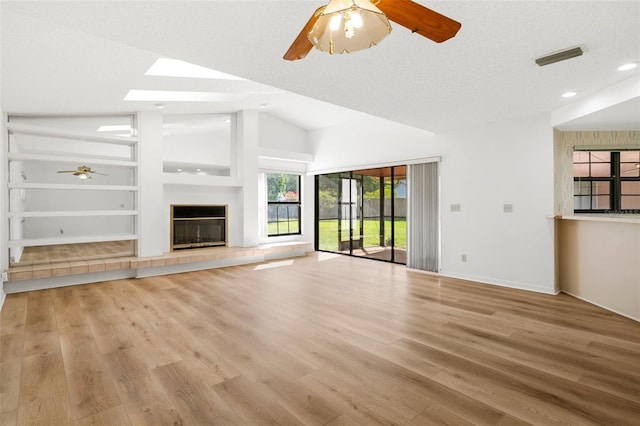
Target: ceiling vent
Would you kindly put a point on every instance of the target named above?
(559, 56)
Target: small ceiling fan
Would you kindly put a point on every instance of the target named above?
(344, 26)
(83, 172)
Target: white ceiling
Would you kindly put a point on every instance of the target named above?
(83, 57)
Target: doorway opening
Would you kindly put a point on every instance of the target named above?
(363, 213)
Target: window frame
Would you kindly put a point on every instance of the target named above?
(297, 203)
(615, 181)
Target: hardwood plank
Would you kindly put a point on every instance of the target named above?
(116, 416)
(196, 402)
(252, 405)
(148, 341)
(108, 331)
(9, 418)
(91, 389)
(143, 398)
(43, 391)
(13, 315)
(11, 346)
(304, 404)
(10, 372)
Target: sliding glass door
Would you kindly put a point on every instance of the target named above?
(363, 213)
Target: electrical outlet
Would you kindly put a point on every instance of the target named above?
(463, 257)
(5, 277)
(507, 208)
(456, 207)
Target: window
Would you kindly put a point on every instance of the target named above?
(283, 204)
(606, 181)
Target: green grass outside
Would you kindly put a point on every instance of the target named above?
(281, 227)
(328, 233)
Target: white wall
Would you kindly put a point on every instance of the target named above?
(280, 135)
(368, 141)
(482, 168)
(4, 251)
(150, 188)
(198, 147)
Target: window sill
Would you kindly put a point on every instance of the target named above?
(606, 217)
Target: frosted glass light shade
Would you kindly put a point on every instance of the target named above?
(346, 26)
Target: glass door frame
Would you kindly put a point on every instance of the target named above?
(354, 175)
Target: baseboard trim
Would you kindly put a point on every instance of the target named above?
(500, 283)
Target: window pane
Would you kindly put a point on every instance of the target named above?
(283, 219)
(581, 203)
(601, 169)
(630, 156)
(328, 212)
(601, 202)
(631, 188)
(600, 157)
(630, 170)
(283, 187)
(601, 188)
(630, 202)
(580, 156)
(581, 170)
(582, 188)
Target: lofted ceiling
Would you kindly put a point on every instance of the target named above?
(83, 57)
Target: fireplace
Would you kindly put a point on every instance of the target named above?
(197, 226)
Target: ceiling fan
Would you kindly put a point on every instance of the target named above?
(344, 26)
(83, 172)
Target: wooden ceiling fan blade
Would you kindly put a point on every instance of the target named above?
(419, 19)
(301, 45)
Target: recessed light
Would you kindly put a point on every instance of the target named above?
(159, 106)
(627, 67)
(263, 106)
(178, 170)
(569, 94)
(198, 170)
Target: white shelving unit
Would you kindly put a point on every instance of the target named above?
(37, 134)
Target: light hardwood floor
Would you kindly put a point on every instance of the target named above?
(318, 340)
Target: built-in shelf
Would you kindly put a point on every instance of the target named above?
(74, 186)
(29, 129)
(200, 180)
(31, 242)
(83, 213)
(72, 160)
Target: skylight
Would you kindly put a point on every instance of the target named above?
(181, 96)
(166, 67)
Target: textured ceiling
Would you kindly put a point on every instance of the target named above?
(84, 56)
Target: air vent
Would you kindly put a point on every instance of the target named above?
(559, 56)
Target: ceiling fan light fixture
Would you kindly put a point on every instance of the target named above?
(346, 26)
